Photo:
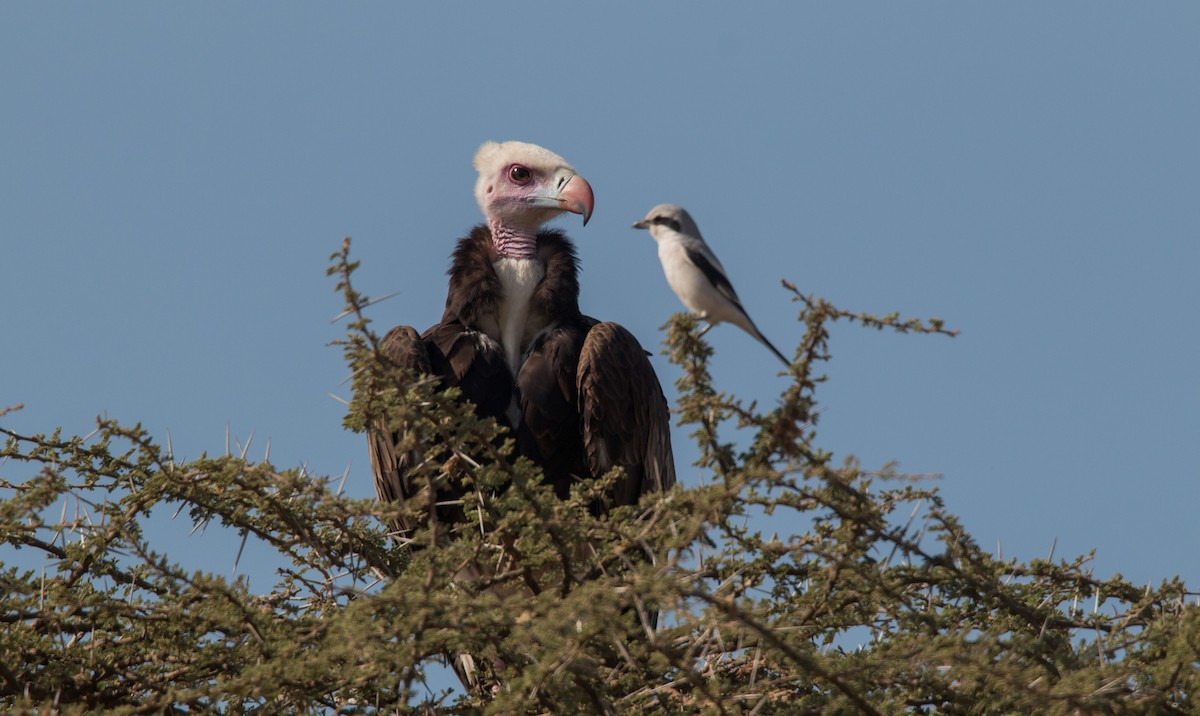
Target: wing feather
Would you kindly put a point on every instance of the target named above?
(711, 268)
(460, 357)
(625, 419)
(403, 348)
(549, 430)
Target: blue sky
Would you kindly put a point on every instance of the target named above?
(174, 176)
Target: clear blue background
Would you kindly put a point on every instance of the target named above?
(174, 176)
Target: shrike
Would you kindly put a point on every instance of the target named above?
(695, 274)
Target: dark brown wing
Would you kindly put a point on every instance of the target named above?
(460, 357)
(472, 361)
(404, 349)
(549, 432)
(625, 419)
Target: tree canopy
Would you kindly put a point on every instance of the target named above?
(786, 581)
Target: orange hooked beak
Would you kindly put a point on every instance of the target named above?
(576, 197)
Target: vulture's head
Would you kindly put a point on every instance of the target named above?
(522, 186)
(668, 217)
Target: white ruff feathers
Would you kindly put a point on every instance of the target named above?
(520, 277)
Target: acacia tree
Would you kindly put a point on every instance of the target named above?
(878, 602)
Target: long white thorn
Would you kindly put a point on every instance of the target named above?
(247, 445)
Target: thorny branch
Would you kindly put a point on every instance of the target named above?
(867, 596)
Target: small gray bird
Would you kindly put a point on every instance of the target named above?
(695, 274)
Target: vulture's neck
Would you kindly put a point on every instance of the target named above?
(520, 273)
(513, 242)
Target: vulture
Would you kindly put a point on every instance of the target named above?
(578, 395)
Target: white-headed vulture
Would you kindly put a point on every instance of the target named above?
(578, 394)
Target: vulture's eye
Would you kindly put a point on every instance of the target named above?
(519, 174)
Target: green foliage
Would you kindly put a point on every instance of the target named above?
(874, 600)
